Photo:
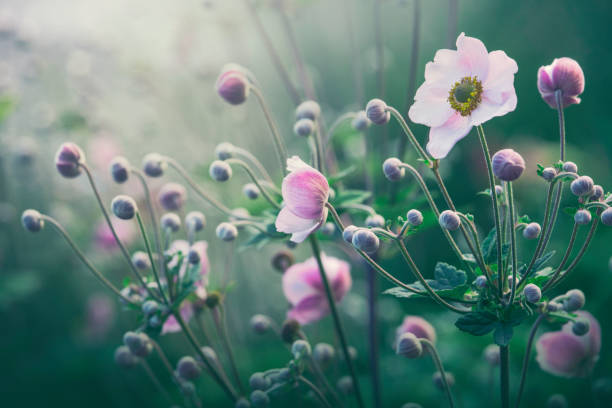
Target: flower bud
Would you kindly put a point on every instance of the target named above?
(581, 326)
(308, 110)
(570, 167)
(150, 307)
(301, 349)
(377, 112)
(259, 399)
(480, 282)
(124, 357)
(508, 165)
(290, 330)
(491, 354)
(172, 196)
(226, 231)
(449, 220)
(224, 151)
(532, 230)
(120, 169)
(213, 299)
(124, 207)
(139, 343)
(209, 354)
(304, 127)
(549, 173)
(366, 241)
(154, 165)
(251, 191)
(414, 217)
(260, 323)
(242, 403)
(597, 193)
(220, 171)
(556, 401)
(574, 300)
(233, 86)
(360, 121)
(393, 169)
(564, 75)
(375, 221)
(345, 385)
(258, 381)
(170, 221)
(188, 369)
(323, 353)
(553, 306)
(606, 217)
(408, 345)
(282, 260)
(141, 260)
(68, 160)
(439, 384)
(193, 256)
(195, 221)
(348, 233)
(582, 217)
(32, 220)
(583, 185)
(532, 293)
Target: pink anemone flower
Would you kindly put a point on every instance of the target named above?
(565, 354)
(463, 88)
(304, 288)
(418, 326)
(305, 193)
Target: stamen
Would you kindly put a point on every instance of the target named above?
(465, 95)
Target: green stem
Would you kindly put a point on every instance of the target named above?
(513, 247)
(568, 251)
(336, 318)
(151, 258)
(248, 170)
(532, 334)
(250, 157)
(222, 332)
(436, 358)
(316, 391)
(424, 156)
(281, 151)
(561, 124)
(504, 368)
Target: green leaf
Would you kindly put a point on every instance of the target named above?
(503, 334)
(488, 245)
(524, 219)
(541, 261)
(447, 277)
(541, 276)
(477, 323)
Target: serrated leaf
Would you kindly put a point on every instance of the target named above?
(447, 277)
(541, 261)
(503, 334)
(477, 323)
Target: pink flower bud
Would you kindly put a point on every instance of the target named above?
(68, 160)
(233, 86)
(565, 75)
(508, 165)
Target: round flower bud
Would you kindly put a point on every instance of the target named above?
(233, 86)
(606, 217)
(124, 207)
(120, 169)
(304, 127)
(68, 160)
(290, 330)
(124, 357)
(377, 112)
(583, 185)
(582, 217)
(282, 260)
(301, 348)
(251, 191)
(480, 282)
(348, 233)
(439, 384)
(549, 173)
(139, 343)
(188, 369)
(532, 293)
(570, 167)
(508, 165)
(258, 381)
(491, 354)
(408, 345)
(360, 121)
(564, 75)
(597, 192)
(32, 220)
(154, 165)
(220, 171)
(532, 230)
(224, 151)
(345, 385)
(375, 221)
(574, 300)
(141, 260)
(553, 306)
(226, 231)
(260, 323)
(150, 307)
(308, 110)
(449, 220)
(193, 257)
(242, 403)
(259, 399)
(213, 299)
(556, 401)
(170, 221)
(195, 221)
(172, 196)
(323, 353)
(580, 326)
(414, 217)
(366, 241)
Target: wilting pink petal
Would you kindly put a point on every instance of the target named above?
(171, 325)
(417, 326)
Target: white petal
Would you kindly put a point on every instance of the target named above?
(473, 56)
(294, 163)
(431, 106)
(443, 138)
(493, 104)
(501, 71)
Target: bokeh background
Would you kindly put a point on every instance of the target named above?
(132, 77)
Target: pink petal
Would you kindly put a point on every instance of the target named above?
(290, 223)
(310, 309)
(494, 104)
(443, 138)
(339, 275)
(501, 71)
(171, 325)
(417, 326)
(201, 247)
(301, 280)
(431, 106)
(473, 56)
(445, 69)
(305, 193)
(561, 354)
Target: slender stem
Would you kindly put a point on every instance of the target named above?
(316, 391)
(151, 258)
(558, 97)
(248, 170)
(281, 151)
(553, 218)
(251, 157)
(155, 381)
(318, 145)
(323, 380)
(568, 251)
(476, 248)
(336, 318)
(436, 358)
(532, 334)
(504, 369)
(485, 151)
(84, 259)
(424, 156)
(222, 332)
(337, 122)
(359, 207)
(513, 247)
(373, 331)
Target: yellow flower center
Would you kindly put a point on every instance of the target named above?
(465, 95)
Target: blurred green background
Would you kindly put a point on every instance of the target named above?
(134, 77)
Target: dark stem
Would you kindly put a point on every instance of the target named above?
(151, 258)
(532, 334)
(513, 247)
(568, 251)
(504, 370)
(156, 382)
(436, 358)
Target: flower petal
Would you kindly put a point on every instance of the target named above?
(501, 71)
(445, 69)
(290, 223)
(561, 354)
(305, 192)
(294, 163)
(443, 138)
(310, 309)
(431, 106)
(494, 104)
(473, 56)
(301, 280)
(171, 325)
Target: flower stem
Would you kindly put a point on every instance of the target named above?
(281, 151)
(316, 391)
(155, 381)
(532, 333)
(504, 369)
(561, 124)
(222, 332)
(251, 157)
(336, 318)
(152, 259)
(423, 155)
(568, 251)
(248, 170)
(513, 247)
(436, 358)
(373, 331)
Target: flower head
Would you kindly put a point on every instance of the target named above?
(68, 160)
(233, 85)
(304, 288)
(305, 193)
(463, 88)
(565, 75)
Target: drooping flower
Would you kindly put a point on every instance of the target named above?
(304, 288)
(417, 326)
(565, 354)
(565, 75)
(305, 193)
(463, 88)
